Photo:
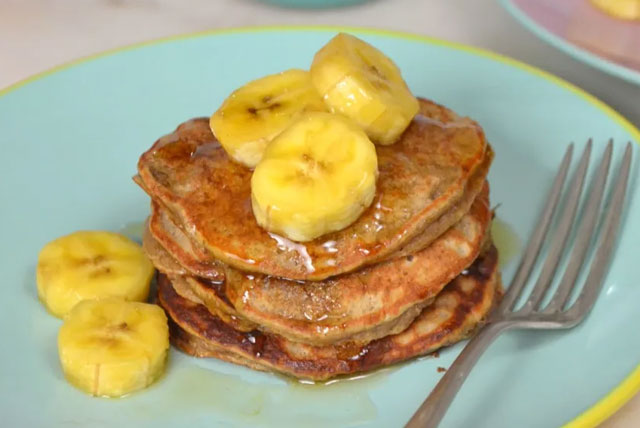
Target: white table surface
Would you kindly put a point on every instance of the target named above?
(38, 34)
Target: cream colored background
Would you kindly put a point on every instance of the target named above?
(38, 34)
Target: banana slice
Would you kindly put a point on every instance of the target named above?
(89, 265)
(111, 347)
(316, 177)
(360, 82)
(622, 9)
(254, 114)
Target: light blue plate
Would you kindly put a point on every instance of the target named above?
(70, 140)
(571, 49)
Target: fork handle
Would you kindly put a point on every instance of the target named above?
(435, 406)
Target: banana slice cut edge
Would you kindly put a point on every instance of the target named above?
(316, 177)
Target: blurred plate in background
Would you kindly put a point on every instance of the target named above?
(313, 4)
(584, 32)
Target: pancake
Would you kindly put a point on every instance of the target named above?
(364, 305)
(454, 314)
(209, 294)
(167, 233)
(359, 307)
(440, 161)
(160, 258)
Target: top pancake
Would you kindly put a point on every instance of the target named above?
(421, 177)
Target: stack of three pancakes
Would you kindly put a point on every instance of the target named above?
(417, 271)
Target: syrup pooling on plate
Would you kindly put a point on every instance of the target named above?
(273, 401)
(506, 240)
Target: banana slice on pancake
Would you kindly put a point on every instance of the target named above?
(254, 114)
(316, 177)
(89, 265)
(360, 82)
(111, 347)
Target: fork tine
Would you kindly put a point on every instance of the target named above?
(540, 232)
(560, 234)
(602, 258)
(584, 235)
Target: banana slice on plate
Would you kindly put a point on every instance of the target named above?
(111, 347)
(254, 114)
(89, 265)
(360, 82)
(316, 177)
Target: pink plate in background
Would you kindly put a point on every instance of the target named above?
(580, 29)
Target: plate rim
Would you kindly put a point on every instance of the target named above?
(630, 385)
(583, 55)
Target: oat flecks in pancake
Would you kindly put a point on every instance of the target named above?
(422, 177)
(456, 311)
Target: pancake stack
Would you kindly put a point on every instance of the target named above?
(415, 272)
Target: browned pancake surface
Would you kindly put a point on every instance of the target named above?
(422, 176)
(456, 311)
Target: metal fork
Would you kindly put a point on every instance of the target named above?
(558, 313)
